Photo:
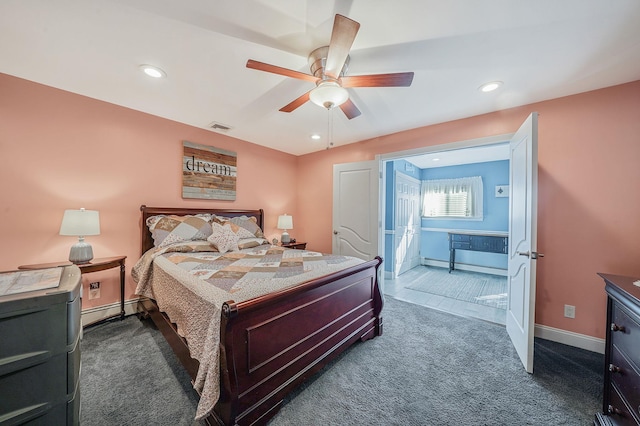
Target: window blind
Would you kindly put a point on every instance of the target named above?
(453, 198)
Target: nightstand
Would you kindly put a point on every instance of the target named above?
(296, 245)
(95, 265)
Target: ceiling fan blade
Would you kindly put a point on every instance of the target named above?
(342, 37)
(350, 109)
(401, 79)
(261, 66)
(296, 103)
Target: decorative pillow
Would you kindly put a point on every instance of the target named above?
(223, 238)
(238, 230)
(246, 222)
(220, 219)
(171, 229)
(244, 243)
(152, 220)
(250, 224)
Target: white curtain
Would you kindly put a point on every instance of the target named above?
(461, 198)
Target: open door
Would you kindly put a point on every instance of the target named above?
(523, 208)
(355, 209)
(407, 223)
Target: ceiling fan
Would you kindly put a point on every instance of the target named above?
(328, 65)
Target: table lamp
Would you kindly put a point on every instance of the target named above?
(80, 223)
(285, 222)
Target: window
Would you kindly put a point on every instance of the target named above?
(453, 198)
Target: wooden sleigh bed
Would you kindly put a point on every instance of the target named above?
(271, 344)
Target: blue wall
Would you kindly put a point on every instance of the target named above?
(434, 245)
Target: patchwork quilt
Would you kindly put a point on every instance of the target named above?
(190, 282)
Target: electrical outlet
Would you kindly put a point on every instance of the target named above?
(94, 290)
(569, 311)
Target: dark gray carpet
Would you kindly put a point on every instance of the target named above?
(130, 376)
(428, 368)
(483, 289)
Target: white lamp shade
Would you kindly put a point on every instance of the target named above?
(80, 222)
(329, 94)
(285, 222)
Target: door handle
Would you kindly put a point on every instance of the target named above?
(532, 255)
(335, 232)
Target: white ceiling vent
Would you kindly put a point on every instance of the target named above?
(219, 127)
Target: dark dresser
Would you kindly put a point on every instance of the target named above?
(40, 347)
(621, 396)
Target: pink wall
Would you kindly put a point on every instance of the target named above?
(62, 151)
(589, 193)
(59, 150)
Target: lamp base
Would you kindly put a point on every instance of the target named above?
(285, 239)
(81, 252)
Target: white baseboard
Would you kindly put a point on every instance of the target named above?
(99, 313)
(465, 267)
(570, 338)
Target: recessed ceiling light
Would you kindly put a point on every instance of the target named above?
(491, 86)
(435, 159)
(152, 71)
(315, 137)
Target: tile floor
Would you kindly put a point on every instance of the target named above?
(396, 288)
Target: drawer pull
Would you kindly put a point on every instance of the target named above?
(616, 327)
(614, 368)
(613, 410)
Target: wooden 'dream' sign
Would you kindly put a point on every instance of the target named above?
(208, 172)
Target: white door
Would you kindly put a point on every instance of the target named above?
(407, 223)
(523, 208)
(355, 209)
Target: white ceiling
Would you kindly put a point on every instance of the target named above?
(478, 154)
(540, 49)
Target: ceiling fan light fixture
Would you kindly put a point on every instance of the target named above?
(329, 94)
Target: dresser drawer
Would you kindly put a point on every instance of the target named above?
(490, 244)
(486, 243)
(626, 379)
(460, 245)
(33, 330)
(625, 334)
(35, 390)
(619, 413)
(460, 237)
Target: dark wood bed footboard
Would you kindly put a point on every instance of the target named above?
(273, 343)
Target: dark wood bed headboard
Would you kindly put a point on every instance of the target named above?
(147, 239)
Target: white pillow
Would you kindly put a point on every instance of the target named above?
(223, 238)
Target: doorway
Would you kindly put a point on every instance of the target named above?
(477, 288)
